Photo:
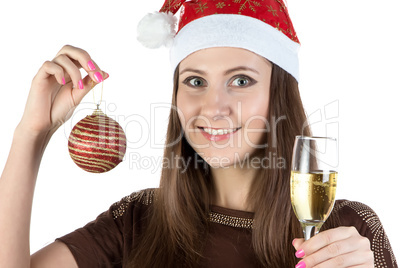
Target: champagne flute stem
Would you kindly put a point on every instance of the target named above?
(310, 231)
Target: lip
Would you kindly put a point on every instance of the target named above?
(217, 137)
(201, 127)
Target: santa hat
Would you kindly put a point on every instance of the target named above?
(260, 26)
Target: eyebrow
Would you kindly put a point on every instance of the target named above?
(240, 68)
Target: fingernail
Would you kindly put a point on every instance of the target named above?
(91, 65)
(300, 253)
(300, 265)
(63, 81)
(98, 77)
(106, 75)
(80, 84)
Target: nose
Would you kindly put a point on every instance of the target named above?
(216, 103)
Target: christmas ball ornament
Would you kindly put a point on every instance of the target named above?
(97, 143)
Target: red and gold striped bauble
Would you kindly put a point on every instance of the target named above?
(97, 143)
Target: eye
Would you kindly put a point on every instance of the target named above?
(242, 81)
(194, 82)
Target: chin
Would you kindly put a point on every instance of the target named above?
(225, 159)
(220, 165)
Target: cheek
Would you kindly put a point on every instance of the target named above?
(184, 109)
(179, 107)
(255, 111)
(256, 120)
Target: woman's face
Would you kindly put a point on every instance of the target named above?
(224, 91)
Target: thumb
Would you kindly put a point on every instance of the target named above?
(297, 242)
(88, 84)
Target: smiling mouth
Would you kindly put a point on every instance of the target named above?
(219, 131)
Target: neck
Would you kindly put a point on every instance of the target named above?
(232, 186)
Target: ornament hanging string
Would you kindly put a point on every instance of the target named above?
(101, 97)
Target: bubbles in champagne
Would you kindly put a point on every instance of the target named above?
(313, 195)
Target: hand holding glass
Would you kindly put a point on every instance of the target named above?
(313, 181)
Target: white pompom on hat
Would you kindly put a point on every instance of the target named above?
(263, 27)
(157, 29)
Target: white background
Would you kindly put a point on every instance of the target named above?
(350, 63)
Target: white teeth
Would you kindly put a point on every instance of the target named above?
(218, 131)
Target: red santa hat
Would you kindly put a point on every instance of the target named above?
(261, 26)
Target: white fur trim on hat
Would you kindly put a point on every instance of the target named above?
(231, 30)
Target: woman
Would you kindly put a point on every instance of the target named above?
(226, 209)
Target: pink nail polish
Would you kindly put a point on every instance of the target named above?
(300, 265)
(91, 65)
(106, 75)
(98, 77)
(300, 253)
(80, 84)
(63, 81)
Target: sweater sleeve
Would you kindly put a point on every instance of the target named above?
(368, 224)
(107, 240)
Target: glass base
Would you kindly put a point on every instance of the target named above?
(310, 228)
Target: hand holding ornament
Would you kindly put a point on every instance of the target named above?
(57, 89)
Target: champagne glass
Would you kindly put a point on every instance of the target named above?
(313, 181)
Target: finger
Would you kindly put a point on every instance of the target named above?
(336, 249)
(326, 238)
(83, 60)
(351, 259)
(88, 84)
(95, 72)
(78, 55)
(51, 69)
(297, 242)
(70, 68)
(362, 266)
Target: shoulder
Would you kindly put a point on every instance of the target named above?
(360, 215)
(354, 210)
(105, 241)
(137, 200)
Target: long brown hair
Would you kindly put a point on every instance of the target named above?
(178, 221)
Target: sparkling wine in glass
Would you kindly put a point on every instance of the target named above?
(313, 181)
